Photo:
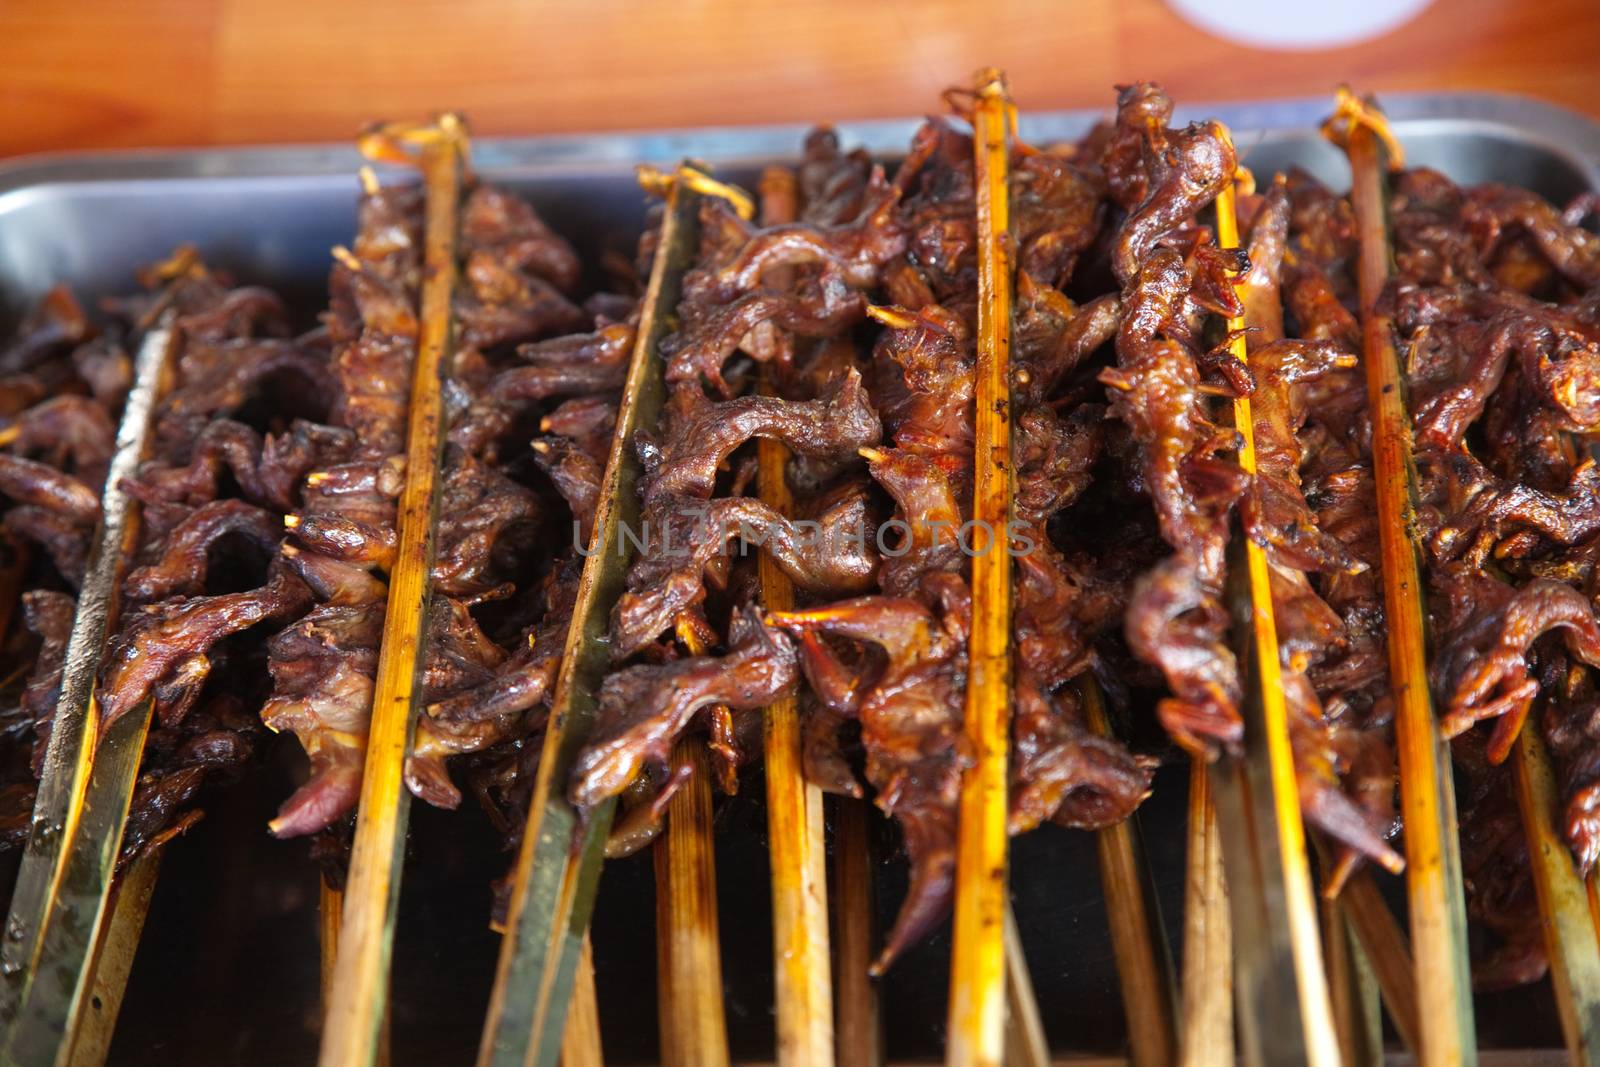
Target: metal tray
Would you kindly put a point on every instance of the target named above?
(227, 968)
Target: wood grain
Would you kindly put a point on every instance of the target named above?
(100, 73)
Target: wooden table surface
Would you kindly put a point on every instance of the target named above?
(96, 73)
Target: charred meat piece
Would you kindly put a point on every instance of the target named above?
(643, 709)
(832, 427)
(910, 727)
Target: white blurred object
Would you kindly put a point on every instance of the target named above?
(1274, 24)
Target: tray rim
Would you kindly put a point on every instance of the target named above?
(1552, 127)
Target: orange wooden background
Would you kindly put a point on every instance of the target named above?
(92, 73)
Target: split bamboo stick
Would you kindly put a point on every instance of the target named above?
(794, 806)
(978, 966)
(358, 1001)
(1206, 1032)
(1427, 794)
(859, 1028)
(580, 1040)
(1569, 928)
(1143, 966)
(689, 954)
(1285, 879)
(689, 964)
(63, 889)
(113, 960)
(558, 865)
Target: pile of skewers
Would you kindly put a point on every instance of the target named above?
(921, 487)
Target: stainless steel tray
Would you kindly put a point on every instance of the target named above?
(227, 970)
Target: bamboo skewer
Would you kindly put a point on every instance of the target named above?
(1275, 916)
(1427, 794)
(53, 1004)
(859, 1032)
(1264, 315)
(1137, 940)
(580, 1040)
(73, 725)
(1566, 902)
(558, 864)
(358, 1001)
(1569, 928)
(693, 1031)
(62, 894)
(113, 960)
(977, 966)
(1026, 1045)
(330, 905)
(803, 984)
(693, 1028)
(689, 952)
(1349, 973)
(799, 859)
(1387, 952)
(1207, 1029)
(1354, 993)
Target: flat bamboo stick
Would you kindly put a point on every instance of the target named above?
(689, 952)
(53, 1004)
(804, 988)
(580, 1040)
(1026, 1045)
(977, 966)
(64, 775)
(1356, 1014)
(1384, 948)
(1387, 952)
(358, 1002)
(1427, 794)
(860, 1031)
(693, 1031)
(1563, 901)
(1354, 995)
(1143, 966)
(42, 935)
(113, 960)
(1286, 870)
(558, 865)
(330, 906)
(799, 868)
(1207, 1030)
